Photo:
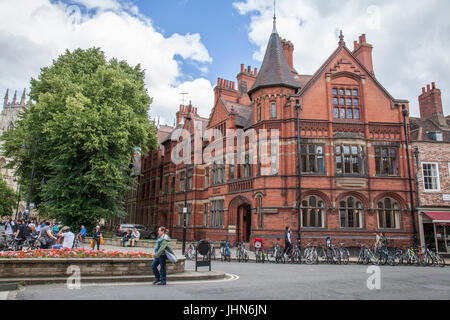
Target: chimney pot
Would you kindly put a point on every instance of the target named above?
(364, 37)
(242, 67)
(433, 85)
(423, 90)
(249, 69)
(428, 88)
(256, 71)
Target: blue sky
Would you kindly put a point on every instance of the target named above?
(223, 31)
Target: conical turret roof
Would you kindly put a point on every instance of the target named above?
(275, 70)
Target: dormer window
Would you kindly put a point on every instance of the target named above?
(436, 136)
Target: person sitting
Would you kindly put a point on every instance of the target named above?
(82, 234)
(68, 237)
(126, 238)
(135, 235)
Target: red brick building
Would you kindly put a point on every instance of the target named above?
(354, 177)
(430, 136)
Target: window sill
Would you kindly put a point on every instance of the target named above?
(387, 176)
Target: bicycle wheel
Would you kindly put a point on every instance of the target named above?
(345, 256)
(440, 261)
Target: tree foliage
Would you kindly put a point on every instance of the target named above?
(89, 118)
(8, 199)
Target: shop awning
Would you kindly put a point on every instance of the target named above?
(439, 217)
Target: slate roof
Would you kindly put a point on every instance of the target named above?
(420, 128)
(242, 112)
(275, 70)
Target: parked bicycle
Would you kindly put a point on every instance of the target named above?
(225, 254)
(191, 252)
(242, 253)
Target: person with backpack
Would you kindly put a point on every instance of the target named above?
(46, 237)
(162, 244)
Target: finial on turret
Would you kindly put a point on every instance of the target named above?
(274, 17)
(341, 40)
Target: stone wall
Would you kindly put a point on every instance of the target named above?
(18, 268)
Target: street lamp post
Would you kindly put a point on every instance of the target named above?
(188, 118)
(405, 113)
(298, 108)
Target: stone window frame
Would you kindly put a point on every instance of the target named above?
(205, 214)
(380, 158)
(340, 103)
(314, 154)
(347, 208)
(258, 113)
(307, 205)
(189, 178)
(438, 182)
(273, 104)
(182, 181)
(259, 210)
(217, 213)
(395, 213)
(361, 155)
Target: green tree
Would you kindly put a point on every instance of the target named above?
(8, 199)
(90, 117)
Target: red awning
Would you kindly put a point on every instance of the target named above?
(439, 216)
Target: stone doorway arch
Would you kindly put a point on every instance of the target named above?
(240, 218)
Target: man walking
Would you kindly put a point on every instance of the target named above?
(287, 241)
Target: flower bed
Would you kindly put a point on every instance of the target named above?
(56, 264)
(68, 253)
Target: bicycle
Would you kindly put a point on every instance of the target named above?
(310, 254)
(278, 253)
(344, 254)
(242, 253)
(190, 252)
(212, 250)
(225, 254)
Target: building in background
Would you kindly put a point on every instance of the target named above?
(430, 135)
(8, 117)
(354, 178)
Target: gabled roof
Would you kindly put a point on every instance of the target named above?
(242, 112)
(275, 70)
(322, 69)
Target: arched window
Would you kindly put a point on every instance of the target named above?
(388, 214)
(313, 212)
(351, 213)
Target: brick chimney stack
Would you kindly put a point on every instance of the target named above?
(288, 49)
(430, 102)
(184, 111)
(363, 52)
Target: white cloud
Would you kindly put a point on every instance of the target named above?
(411, 39)
(34, 32)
